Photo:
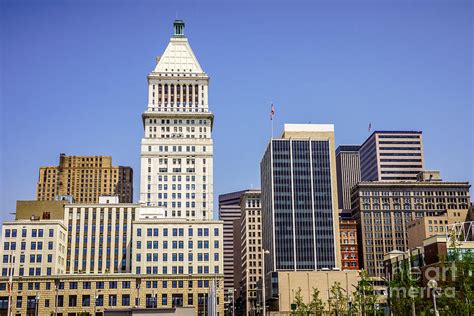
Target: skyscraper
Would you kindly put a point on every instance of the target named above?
(348, 173)
(177, 149)
(299, 199)
(250, 249)
(85, 178)
(392, 156)
(229, 212)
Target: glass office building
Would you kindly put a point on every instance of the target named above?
(299, 200)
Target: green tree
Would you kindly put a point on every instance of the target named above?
(457, 290)
(301, 307)
(364, 297)
(405, 291)
(338, 300)
(316, 306)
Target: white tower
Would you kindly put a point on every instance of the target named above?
(177, 149)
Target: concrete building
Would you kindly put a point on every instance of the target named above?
(281, 291)
(425, 227)
(349, 247)
(251, 249)
(348, 173)
(384, 209)
(229, 213)
(99, 294)
(99, 237)
(177, 247)
(299, 200)
(33, 248)
(177, 148)
(85, 178)
(392, 156)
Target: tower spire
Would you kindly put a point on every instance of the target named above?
(178, 26)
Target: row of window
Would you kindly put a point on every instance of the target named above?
(35, 233)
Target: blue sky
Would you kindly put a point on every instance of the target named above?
(73, 78)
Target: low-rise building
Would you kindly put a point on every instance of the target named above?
(349, 247)
(97, 293)
(33, 247)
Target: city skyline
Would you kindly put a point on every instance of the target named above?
(57, 103)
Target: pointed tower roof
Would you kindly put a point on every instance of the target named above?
(178, 56)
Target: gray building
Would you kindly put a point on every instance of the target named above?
(392, 156)
(299, 200)
(348, 173)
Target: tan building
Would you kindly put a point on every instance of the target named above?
(40, 210)
(384, 209)
(284, 285)
(428, 226)
(66, 294)
(85, 178)
(251, 248)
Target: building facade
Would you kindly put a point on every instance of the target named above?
(177, 247)
(251, 249)
(384, 209)
(96, 293)
(33, 248)
(177, 148)
(349, 247)
(348, 173)
(392, 156)
(299, 200)
(85, 178)
(428, 226)
(99, 237)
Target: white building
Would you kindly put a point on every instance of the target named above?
(177, 247)
(33, 247)
(99, 237)
(177, 148)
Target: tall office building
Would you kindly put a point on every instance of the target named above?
(392, 156)
(348, 173)
(229, 213)
(384, 209)
(299, 200)
(251, 249)
(177, 149)
(85, 178)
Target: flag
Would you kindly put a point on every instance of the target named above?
(272, 112)
(370, 127)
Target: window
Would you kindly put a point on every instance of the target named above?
(126, 300)
(100, 300)
(86, 300)
(72, 300)
(112, 300)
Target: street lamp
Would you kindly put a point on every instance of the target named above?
(432, 284)
(36, 303)
(264, 252)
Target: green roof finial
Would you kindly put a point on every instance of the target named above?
(178, 28)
